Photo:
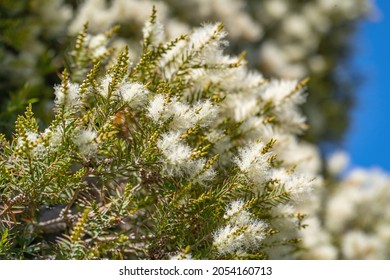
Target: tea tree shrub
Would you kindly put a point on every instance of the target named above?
(180, 153)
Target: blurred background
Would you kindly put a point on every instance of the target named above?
(368, 139)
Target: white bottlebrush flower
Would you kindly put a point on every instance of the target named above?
(29, 140)
(280, 92)
(31, 136)
(198, 173)
(296, 184)
(86, 142)
(96, 41)
(104, 85)
(355, 215)
(254, 163)
(234, 207)
(241, 108)
(303, 156)
(236, 213)
(134, 94)
(157, 107)
(203, 177)
(234, 239)
(97, 44)
(205, 113)
(341, 208)
(154, 32)
(207, 35)
(183, 115)
(176, 154)
(54, 135)
(286, 96)
(71, 98)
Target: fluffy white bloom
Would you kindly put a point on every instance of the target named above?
(304, 157)
(97, 44)
(241, 233)
(183, 115)
(55, 135)
(170, 60)
(234, 207)
(198, 173)
(32, 136)
(30, 139)
(236, 213)
(154, 32)
(178, 161)
(341, 209)
(241, 108)
(254, 163)
(205, 113)
(209, 34)
(71, 98)
(176, 154)
(86, 142)
(156, 107)
(354, 219)
(134, 94)
(233, 239)
(286, 97)
(297, 185)
(280, 92)
(105, 84)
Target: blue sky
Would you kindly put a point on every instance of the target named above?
(368, 139)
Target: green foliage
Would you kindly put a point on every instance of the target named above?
(101, 181)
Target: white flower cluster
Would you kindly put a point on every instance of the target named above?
(133, 94)
(354, 221)
(86, 142)
(242, 232)
(250, 124)
(267, 122)
(97, 45)
(68, 98)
